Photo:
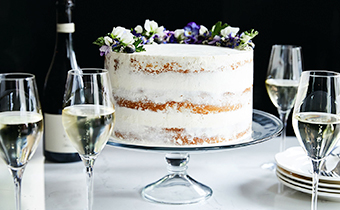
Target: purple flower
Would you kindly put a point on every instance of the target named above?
(191, 40)
(144, 39)
(191, 30)
(104, 50)
(170, 37)
(231, 42)
(214, 40)
(134, 32)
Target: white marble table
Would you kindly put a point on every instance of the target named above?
(236, 177)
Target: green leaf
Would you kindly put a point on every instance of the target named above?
(252, 33)
(100, 41)
(217, 28)
(137, 42)
(140, 49)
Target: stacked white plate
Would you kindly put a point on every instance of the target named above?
(294, 171)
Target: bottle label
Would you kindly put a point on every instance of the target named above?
(65, 27)
(56, 139)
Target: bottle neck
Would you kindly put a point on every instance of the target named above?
(64, 11)
(65, 29)
(65, 43)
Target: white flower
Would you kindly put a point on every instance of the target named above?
(245, 38)
(160, 31)
(108, 40)
(123, 35)
(150, 26)
(127, 37)
(139, 29)
(229, 31)
(118, 31)
(203, 30)
(179, 33)
(151, 39)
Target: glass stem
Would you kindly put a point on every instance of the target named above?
(283, 116)
(89, 162)
(17, 174)
(316, 170)
(177, 163)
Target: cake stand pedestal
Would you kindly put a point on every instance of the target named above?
(178, 187)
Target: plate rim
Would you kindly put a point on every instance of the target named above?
(307, 180)
(301, 154)
(307, 186)
(326, 196)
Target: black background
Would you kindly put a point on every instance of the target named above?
(27, 31)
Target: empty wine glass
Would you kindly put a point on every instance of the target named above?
(316, 118)
(21, 124)
(88, 116)
(284, 70)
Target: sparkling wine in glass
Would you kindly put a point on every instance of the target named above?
(21, 124)
(88, 116)
(284, 70)
(316, 119)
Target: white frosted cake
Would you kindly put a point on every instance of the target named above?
(187, 87)
(179, 94)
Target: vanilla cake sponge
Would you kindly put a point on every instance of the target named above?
(175, 94)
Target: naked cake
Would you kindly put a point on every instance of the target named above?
(180, 94)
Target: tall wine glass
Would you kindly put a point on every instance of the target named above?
(21, 124)
(284, 70)
(316, 118)
(88, 116)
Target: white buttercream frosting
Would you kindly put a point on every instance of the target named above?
(198, 74)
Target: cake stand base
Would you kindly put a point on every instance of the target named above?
(177, 187)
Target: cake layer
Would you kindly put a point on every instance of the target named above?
(204, 108)
(196, 87)
(177, 137)
(183, 119)
(181, 128)
(181, 59)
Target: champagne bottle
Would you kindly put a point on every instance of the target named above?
(57, 146)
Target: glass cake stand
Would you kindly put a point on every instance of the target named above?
(178, 187)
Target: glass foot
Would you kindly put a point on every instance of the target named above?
(177, 187)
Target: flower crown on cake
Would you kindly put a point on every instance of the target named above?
(130, 41)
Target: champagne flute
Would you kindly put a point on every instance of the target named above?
(316, 118)
(284, 70)
(88, 116)
(21, 124)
